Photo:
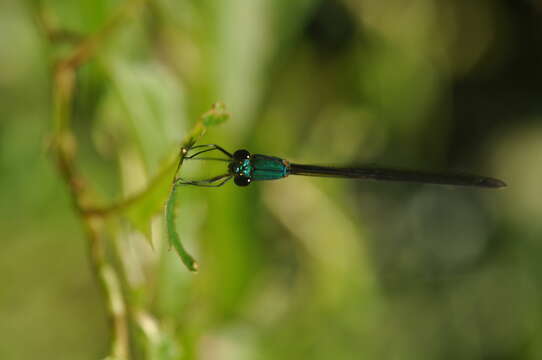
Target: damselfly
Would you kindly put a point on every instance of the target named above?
(244, 168)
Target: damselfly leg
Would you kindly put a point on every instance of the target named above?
(216, 181)
(205, 149)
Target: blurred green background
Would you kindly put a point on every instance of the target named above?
(294, 269)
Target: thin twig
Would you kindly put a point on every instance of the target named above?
(87, 49)
(64, 147)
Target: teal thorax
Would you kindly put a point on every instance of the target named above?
(248, 167)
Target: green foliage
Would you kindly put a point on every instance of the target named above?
(100, 97)
(147, 204)
(215, 116)
(173, 236)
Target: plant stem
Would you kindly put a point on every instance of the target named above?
(64, 146)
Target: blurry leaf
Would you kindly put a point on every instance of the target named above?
(173, 236)
(148, 203)
(216, 115)
(153, 105)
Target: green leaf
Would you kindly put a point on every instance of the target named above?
(153, 108)
(216, 115)
(173, 236)
(146, 204)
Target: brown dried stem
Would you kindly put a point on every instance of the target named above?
(64, 146)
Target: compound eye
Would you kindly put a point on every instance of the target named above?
(241, 181)
(241, 154)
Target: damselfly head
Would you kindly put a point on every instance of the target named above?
(241, 180)
(241, 154)
(241, 167)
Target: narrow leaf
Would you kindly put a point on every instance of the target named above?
(215, 116)
(172, 234)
